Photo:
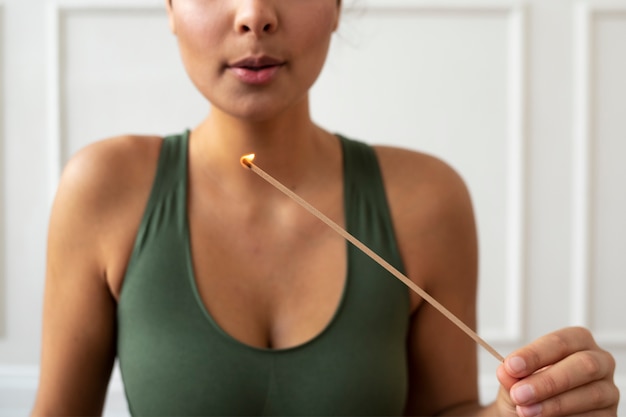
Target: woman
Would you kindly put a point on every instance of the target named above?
(222, 297)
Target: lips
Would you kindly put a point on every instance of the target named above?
(256, 70)
(257, 63)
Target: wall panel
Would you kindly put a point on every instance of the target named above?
(609, 131)
(600, 227)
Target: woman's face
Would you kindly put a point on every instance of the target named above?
(253, 58)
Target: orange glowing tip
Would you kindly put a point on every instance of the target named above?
(246, 160)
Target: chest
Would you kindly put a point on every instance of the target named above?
(270, 280)
(205, 294)
(177, 359)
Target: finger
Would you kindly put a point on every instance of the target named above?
(547, 350)
(505, 379)
(576, 370)
(599, 397)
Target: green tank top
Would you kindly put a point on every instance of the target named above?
(176, 361)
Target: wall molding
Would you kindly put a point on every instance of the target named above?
(420, 5)
(437, 5)
(3, 199)
(513, 11)
(516, 228)
(53, 82)
(18, 388)
(579, 313)
(583, 168)
(19, 377)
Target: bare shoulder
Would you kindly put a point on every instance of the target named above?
(433, 216)
(416, 180)
(110, 167)
(100, 200)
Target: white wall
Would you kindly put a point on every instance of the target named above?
(524, 98)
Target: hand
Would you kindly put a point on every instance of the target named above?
(561, 374)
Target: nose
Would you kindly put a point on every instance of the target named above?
(258, 17)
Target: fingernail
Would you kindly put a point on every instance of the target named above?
(531, 410)
(523, 394)
(516, 364)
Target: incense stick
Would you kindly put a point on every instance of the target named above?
(246, 161)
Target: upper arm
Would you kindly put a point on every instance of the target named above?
(79, 321)
(436, 233)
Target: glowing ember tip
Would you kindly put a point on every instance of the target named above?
(246, 160)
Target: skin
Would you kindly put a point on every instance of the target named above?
(105, 187)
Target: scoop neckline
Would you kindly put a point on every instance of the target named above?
(191, 274)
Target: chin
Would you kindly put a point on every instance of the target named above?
(253, 115)
(259, 111)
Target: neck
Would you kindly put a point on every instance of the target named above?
(290, 145)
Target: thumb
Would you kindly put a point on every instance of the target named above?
(504, 402)
(506, 380)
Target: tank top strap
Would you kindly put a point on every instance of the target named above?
(167, 204)
(368, 216)
(172, 165)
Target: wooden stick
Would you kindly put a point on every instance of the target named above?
(246, 161)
